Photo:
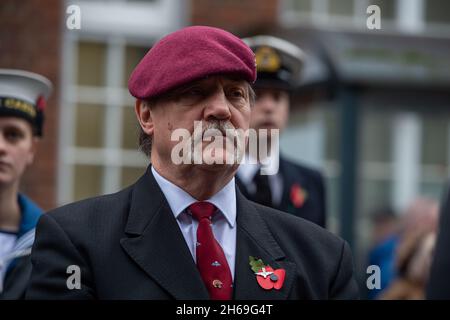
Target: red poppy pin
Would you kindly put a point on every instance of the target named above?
(267, 278)
(298, 195)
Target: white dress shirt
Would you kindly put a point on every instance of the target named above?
(7, 242)
(248, 169)
(224, 221)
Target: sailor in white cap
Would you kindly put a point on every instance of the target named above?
(295, 188)
(23, 97)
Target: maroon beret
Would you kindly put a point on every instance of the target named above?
(190, 54)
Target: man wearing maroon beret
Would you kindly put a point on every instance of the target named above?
(183, 230)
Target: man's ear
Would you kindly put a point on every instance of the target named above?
(143, 114)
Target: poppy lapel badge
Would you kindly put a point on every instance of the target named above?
(298, 195)
(267, 277)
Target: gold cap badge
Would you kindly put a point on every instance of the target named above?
(267, 59)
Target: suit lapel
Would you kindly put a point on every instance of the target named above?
(17, 280)
(287, 179)
(156, 244)
(254, 239)
(241, 186)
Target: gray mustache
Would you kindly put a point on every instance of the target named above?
(220, 125)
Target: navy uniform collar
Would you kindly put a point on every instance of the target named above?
(30, 214)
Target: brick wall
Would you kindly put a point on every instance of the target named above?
(30, 39)
(238, 16)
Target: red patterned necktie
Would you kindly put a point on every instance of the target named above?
(211, 261)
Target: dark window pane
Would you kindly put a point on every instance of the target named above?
(133, 55)
(437, 11)
(301, 5)
(434, 140)
(130, 175)
(130, 129)
(374, 194)
(332, 134)
(376, 135)
(387, 8)
(91, 64)
(88, 181)
(433, 190)
(341, 7)
(89, 125)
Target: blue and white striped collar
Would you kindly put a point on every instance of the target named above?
(30, 214)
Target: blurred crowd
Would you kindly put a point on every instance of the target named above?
(403, 247)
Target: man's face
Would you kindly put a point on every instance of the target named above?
(17, 146)
(218, 101)
(271, 109)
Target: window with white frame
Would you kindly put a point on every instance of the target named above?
(410, 15)
(435, 153)
(346, 13)
(104, 154)
(437, 11)
(437, 18)
(98, 150)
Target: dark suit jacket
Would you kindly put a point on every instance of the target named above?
(129, 246)
(439, 282)
(17, 280)
(308, 179)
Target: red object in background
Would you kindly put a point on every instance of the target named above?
(298, 195)
(41, 103)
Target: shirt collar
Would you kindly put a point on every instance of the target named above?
(250, 167)
(179, 200)
(30, 214)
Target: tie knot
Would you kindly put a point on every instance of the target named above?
(259, 178)
(202, 210)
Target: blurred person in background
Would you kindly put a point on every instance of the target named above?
(439, 283)
(385, 240)
(22, 102)
(415, 251)
(295, 188)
